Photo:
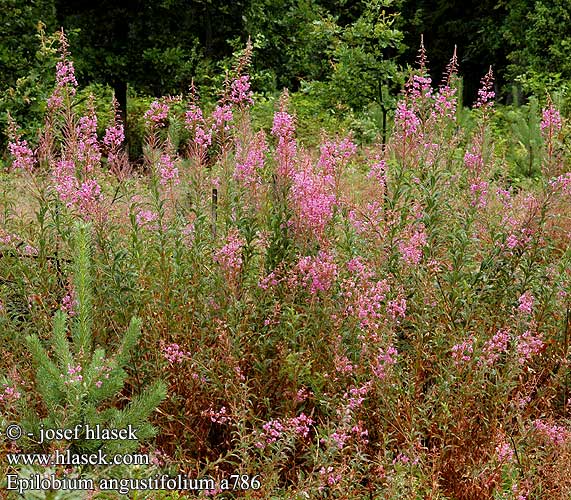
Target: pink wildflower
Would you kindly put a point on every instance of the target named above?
(495, 347)
(551, 120)
(174, 354)
(486, 94)
(462, 353)
(555, 433)
(23, 156)
(69, 303)
(193, 116)
(157, 113)
(240, 92)
(504, 452)
(526, 303)
(407, 122)
(145, 219)
(248, 171)
(411, 248)
(318, 273)
(222, 115)
(397, 308)
(114, 136)
(313, 199)
(167, 170)
(334, 155)
(528, 345)
(284, 129)
(479, 192)
(384, 360)
(229, 257)
(10, 394)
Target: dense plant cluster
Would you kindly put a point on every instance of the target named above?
(343, 322)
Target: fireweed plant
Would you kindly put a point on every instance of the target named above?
(388, 322)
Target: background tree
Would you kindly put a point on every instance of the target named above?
(539, 36)
(475, 27)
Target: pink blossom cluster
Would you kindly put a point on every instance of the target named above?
(504, 451)
(274, 430)
(407, 123)
(367, 220)
(114, 136)
(343, 364)
(528, 345)
(146, 219)
(30, 250)
(69, 303)
(383, 361)
(557, 434)
(174, 354)
(85, 197)
(9, 395)
(364, 300)
(193, 116)
(240, 92)
(269, 281)
(397, 308)
(520, 232)
(404, 459)
(284, 129)
(445, 103)
(526, 303)
(563, 182)
(473, 161)
(229, 257)
(462, 353)
(157, 114)
(411, 246)
(74, 374)
(360, 433)
(103, 372)
(341, 436)
(479, 191)
(222, 115)
(378, 171)
(495, 347)
(88, 150)
(551, 120)
(168, 172)
(313, 199)
(356, 396)
(65, 79)
(221, 416)
(504, 197)
(330, 477)
(317, 273)
(8, 238)
(334, 155)
(23, 155)
(486, 93)
(283, 125)
(65, 74)
(248, 170)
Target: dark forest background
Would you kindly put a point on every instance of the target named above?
(343, 55)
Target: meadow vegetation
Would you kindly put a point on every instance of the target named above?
(340, 319)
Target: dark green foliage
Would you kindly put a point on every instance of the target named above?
(539, 34)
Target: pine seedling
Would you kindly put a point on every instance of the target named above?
(78, 382)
